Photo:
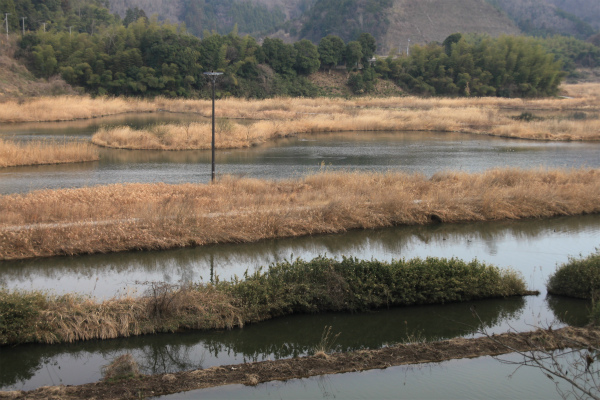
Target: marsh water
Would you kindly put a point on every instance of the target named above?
(532, 247)
(424, 152)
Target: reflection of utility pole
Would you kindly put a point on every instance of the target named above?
(23, 18)
(213, 77)
(212, 268)
(6, 19)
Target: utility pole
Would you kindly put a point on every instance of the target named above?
(213, 77)
(44, 27)
(6, 19)
(23, 18)
(408, 48)
(70, 31)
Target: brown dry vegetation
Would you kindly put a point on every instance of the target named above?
(582, 97)
(45, 152)
(302, 367)
(160, 216)
(448, 119)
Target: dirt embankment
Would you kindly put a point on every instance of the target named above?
(258, 372)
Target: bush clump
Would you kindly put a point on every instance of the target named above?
(18, 315)
(325, 284)
(299, 286)
(579, 277)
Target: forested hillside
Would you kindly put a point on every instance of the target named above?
(588, 11)
(542, 17)
(101, 53)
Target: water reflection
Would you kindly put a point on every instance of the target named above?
(424, 152)
(533, 247)
(87, 127)
(30, 366)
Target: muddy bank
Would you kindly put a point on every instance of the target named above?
(258, 372)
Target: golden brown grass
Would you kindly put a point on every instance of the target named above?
(14, 153)
(160, 216)
(70, 318)
(448, 119)
(583, 97)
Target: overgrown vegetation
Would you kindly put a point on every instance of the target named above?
(13, 153)
(146, 58)
(159, 216)
(323, 284)
(298, 286)
(477, 66)
(580, 277)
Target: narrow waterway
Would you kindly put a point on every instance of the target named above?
(532, 247)
(424, 152)
(479, 378)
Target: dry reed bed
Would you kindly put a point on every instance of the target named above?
(447, 119)
(161, 216)
(584, 97)
(286, 288)
(45, 152)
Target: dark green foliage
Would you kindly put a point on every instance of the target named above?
(280, 56)
(222, 16)
(18, 315)
(81, 15)
(346, 19)
(331, 51)
(580, 277)
(368, 47)
(132, 15)
(572, 52)
(307, 57)
(352, 55)
(324, 284)
(507, 66)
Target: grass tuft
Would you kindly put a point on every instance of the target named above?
(318, 285)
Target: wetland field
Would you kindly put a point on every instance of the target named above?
(136, 228)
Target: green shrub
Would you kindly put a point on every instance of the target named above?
(18, 315)
(324, 284)
(579, 277)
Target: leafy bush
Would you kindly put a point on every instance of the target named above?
(18, 314)
(324, 284)
(580, 277)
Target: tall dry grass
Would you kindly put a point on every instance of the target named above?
(234, 135)
(581, 97)
(45, 152)
(160, 216)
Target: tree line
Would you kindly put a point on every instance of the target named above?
(139, 56)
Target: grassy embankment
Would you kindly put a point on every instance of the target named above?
(286, 117)
(160, 216)
(582, 97)
(447, 119)
(285, 288)
(14, 153)
(253, 373)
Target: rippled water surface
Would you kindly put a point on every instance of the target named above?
(533, 248)
(425, 152)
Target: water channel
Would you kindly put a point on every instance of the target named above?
(532, 247)
(424, 152)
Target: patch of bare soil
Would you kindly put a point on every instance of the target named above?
(258, 372)
(16, 81)
(332, 83)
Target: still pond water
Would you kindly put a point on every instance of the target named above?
(424, 152)
(532, 247)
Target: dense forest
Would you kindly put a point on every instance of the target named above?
(140, 56)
